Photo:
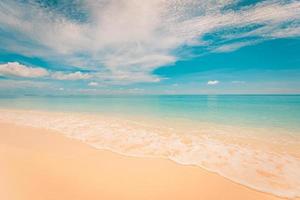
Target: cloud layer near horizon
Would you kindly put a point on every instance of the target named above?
(123, 41)
(16, 69)
(19, 70)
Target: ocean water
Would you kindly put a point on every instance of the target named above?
(253, 140)
(281, 111)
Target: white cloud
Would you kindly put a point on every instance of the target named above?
(93, 84)
(19, 70)
(292, 31)
(130, 38)
(125, 77)
(234, 46)
(70, 76)
(213, 82)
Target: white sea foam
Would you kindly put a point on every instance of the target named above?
(227, 151)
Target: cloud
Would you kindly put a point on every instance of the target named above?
(213, 82)
(19, 70)
(125, 77)
(93, 84)
(110, 39)
(234, 46)
(70, 76)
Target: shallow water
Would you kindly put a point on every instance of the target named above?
(251, 110)
(252, 140)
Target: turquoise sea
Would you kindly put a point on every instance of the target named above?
(253, 140)
(250, 110)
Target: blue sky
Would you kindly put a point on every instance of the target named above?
(149, 47)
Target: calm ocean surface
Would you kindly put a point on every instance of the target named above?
(281, 111)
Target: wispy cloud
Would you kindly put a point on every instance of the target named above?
(124, 41)
(70, 76)
(233, 46)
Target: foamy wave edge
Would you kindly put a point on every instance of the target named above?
(269, 172)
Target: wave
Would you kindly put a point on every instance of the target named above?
(243, 155)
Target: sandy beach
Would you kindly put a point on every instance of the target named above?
(38, 164)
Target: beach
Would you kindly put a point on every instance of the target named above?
(149, 100)
(44, 165)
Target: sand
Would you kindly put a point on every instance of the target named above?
(37, 164)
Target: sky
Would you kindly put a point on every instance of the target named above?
(91, 47)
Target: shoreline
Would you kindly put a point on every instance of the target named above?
(98, 173)
(231, 152)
